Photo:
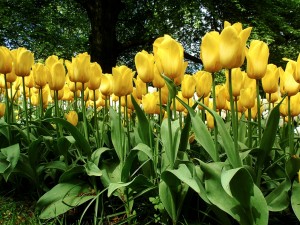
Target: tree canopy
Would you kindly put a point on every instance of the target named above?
(114, 31)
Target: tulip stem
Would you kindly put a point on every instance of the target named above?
(249, 129)
(25, 108)
(96, 121)
(75, 98)
(215, 109)
(170, 125)
(234, 123)
(258, 111)
(85, 125)
(7, 110)
(127, 121)
(160, 108)
(290, 129)
(41, 102)
(59, 128)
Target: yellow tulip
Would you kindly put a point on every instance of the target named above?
(95, 76)
(158, 80)
(188, 86)
(289, 85)
(178, 105)
(23, 60)
(150, 103)
(272, 97)
(122, 78)
(70, 69)
(34, 99)
(107, 84)
(164, 94)
(11, 76)
(5, 60)
(92, 96)
(168, 55)
(81, 67)
(297, 71)
(248, 97)
(57, 77)
(248, 82)
(237, 79)
(220, 97)
(283, 108)
(144, 63)
(141, 87)
(210, 52)
(233, 45)
(68, 94)
(204, 83)
(29, 81)
(2, 109)
(295, 104)
(72, 117)
(270, 80)
(205, 101)
(51, 60)
(257, 59)
(40, 74)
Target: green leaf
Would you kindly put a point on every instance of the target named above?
(35, 152)
(278, 200)
(202, 135)
(117, 134)
(96, 155)
(185, 175)
(139, 182)
(80, 139)
(168, 199)
(143, 126)
(171, 149)
(72, 174)
(63, 197)
(58, 165)
(92, 169)
(295, 199)
(171, 87)
(9, 159)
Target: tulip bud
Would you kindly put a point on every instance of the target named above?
(188, 86)
(2, 109)
(257, 59)
(57, 77)
(144, 63)
(106, 86)
(95, 76)
(204, 83)
(150, 103)
(81, 67)
(5, 60)
(40, 74)
(122, 78)
(72, 117)
(23, 61)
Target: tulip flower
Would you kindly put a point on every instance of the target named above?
(141, 87)
(295, 105)
(272, 97)
(72, 117)
(95, 76)
(158, 80)
(188, 86)
(2, 109)
(150, 103)
(81, 67)
(122, 78)
(5, 60)
(23, 60)
(144, 63)
(237, 78)
(40, 73)
(57, 77)
(204, 83)
(257, 59)
(247, 97)
(179, 107)
(210, 52)
(233, 45)
(220, 97)
(297, 70)
(168, 55)
(270, 80)
(288, 84)
(70, 69)
(107, 84)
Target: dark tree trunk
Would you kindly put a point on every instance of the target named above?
(103, 15)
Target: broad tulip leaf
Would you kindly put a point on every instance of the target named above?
(72, 174)
(63, 197)
(218, 196)
(92, 169)
(170, 146)
(96, 155)
(167, 199)
(138, 183)
(80, 139)
(227, 141)
(295, 199)
(117, 134)
(8, 160)
(185, 175)
(278, 200)
(111, 172)
(143, 126)
(292, 166)
(34, 151)
(202, 135)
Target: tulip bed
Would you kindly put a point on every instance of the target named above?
(156, 145)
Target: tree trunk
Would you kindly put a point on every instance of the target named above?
(103, 15)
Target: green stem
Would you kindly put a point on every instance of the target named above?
(290, 129)
(249, 129)
(25, 108)
(85, 124)
(127, 122)
(75, 98)
(258, 111)
(122, 160)
(96, 122)
(170, 125)
(160, 107)
(41, 103)
(234, 123)
(7, 110)
(215, 109)
(57, 114)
